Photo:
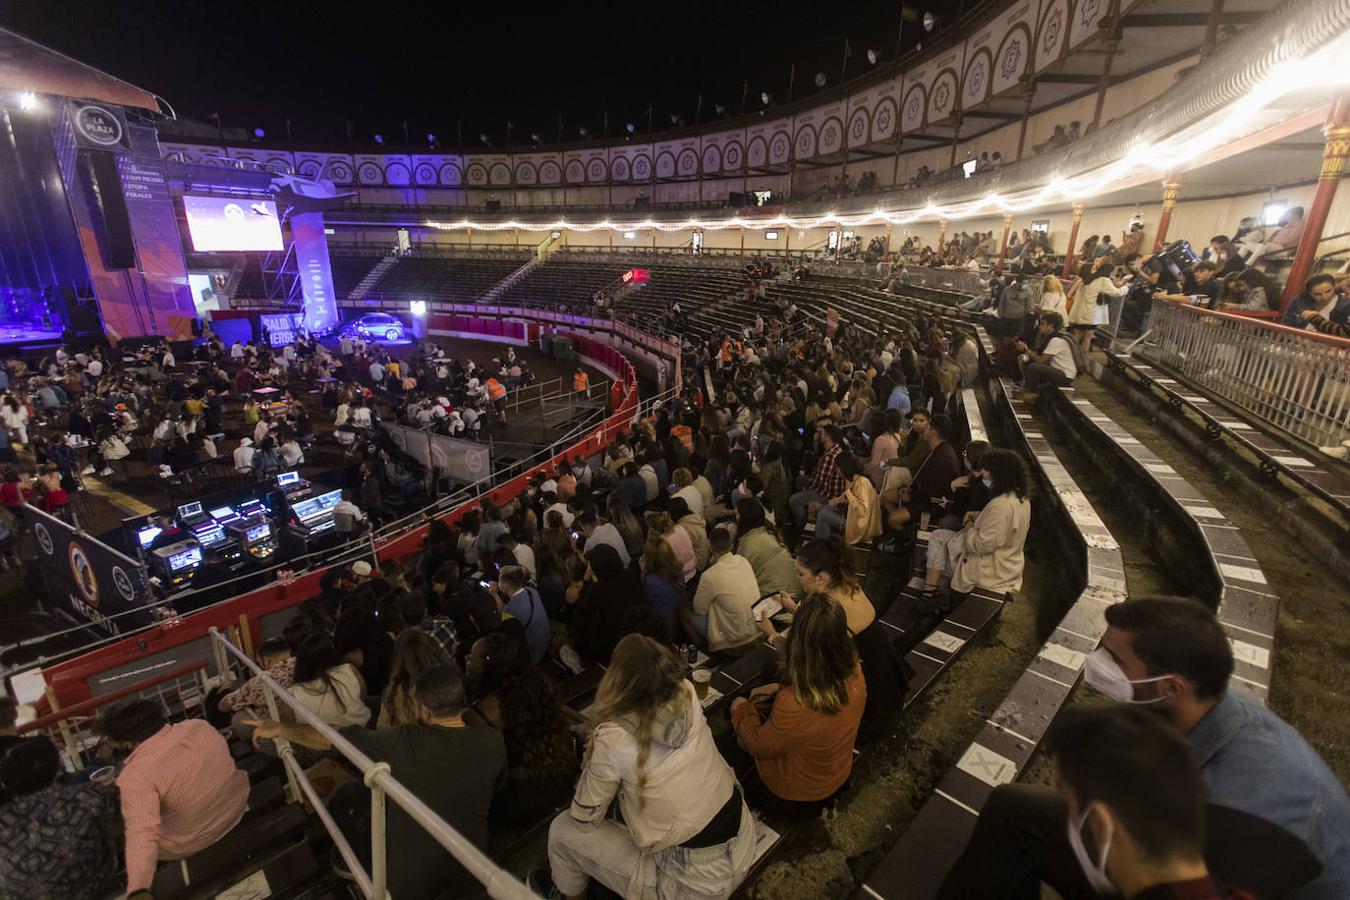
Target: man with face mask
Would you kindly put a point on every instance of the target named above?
(1170, 656)
(1136, 798)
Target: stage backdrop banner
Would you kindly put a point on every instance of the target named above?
(89, 577)
(316, 272)
(98, 126)
(154, 226)
(466, 461)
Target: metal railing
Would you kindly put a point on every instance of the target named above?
(1294, 380)
(383, 786)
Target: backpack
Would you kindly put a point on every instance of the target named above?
(1079, 357)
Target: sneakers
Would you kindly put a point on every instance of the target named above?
(541, 882)
(105, 472)
(571, 659)
(1341, 452)
(87, 470)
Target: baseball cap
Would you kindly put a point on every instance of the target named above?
(361, 568)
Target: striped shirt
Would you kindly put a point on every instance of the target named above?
(180, 793)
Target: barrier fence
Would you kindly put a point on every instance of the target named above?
(1295, 380)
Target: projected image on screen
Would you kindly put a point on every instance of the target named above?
(232, 223)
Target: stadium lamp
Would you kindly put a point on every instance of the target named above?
(534, 137)
(765, 97)
(820, 79)
(417, 307)
(487, 142)
(630, 235)
(676, 119)
(431, 139)
(259, 133)
(28, 101)
(584, 132)
(930, 21)
(630, 128)
(379, 139)
(873, 57)
(721, 110)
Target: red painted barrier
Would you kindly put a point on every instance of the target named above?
(70, 679)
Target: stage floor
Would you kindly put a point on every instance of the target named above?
(19, 334)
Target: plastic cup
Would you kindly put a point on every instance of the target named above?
(105, 776)
(701, 677)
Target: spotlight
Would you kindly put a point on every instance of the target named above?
(820, 79)
(379, 139)
(417, 307)
(431, 138)
(630, 128)
(929, 21)
(873, 57)
(765, 97)
(676, 119)
(630, 235)
(583, 132)
(484, 138)
(28, 101)
(534, 137)
(721, 110)
(259, 133)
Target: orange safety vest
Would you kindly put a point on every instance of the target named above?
(581, 381)
(495, 390)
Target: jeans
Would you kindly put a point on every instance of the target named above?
(578, 852)
(1020, 840)
(800, 500)
(828, 521)
(1036, 374)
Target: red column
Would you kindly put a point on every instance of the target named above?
(1003, 244)
(1171, 190)
(1071, 252)
(942, 235)
(1337, 131)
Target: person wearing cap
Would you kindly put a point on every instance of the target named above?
(243, 457)
(361, 572)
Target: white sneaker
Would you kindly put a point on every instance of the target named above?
(87, 470)
(105, 471)
(1341, 452)
(571, 659)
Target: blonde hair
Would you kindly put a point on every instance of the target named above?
(1051, 285)
(821, 656)
(643, 677)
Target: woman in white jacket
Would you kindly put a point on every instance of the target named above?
(1091, 302)
(14, 416)
(686, 831)
(991, 556)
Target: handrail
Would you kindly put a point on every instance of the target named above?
(377, 777)
(86, 706)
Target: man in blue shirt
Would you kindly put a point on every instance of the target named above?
(526, 606)
(1172, 655)
(899, 399)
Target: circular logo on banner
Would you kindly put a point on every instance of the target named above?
(98, 126)
(43, 538)
(476, 461)
(83, 570)
(123, 583)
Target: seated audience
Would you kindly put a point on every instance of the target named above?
(599, 601)
(453, 769)
(328, 686)
(415, 652)
(516, 598)
(1051, 361)
(761, 546)
(693, 525)
(855, 514)
(803, 748)
(719, 613)
(249, 700)
(1172, 654)
(686, 831)
(180, 790)
(826, 480)
(663, 580)
(988, 551)
(53, 843)
(660, 525)
(1319, 299)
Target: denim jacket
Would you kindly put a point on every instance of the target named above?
(1255, 762)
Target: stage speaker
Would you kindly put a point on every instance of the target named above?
(119, 250)
(494, 206)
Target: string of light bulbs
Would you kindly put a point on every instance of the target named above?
(1321, 72)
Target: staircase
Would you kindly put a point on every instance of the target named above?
(492, 293)
(372, 277)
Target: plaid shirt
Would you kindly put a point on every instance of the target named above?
(827, 479)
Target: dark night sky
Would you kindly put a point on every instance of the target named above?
(378, 64)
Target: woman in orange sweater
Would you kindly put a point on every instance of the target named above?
(803, 750)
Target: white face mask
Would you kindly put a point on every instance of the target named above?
(1103, 672)
(987, 482)
(1095, 873)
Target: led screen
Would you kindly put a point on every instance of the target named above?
(232, 223)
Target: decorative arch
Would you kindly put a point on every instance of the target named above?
(687, 163)
(397, 174)
(476, 174)
(450, 175)
(526, 173)
(280, 164)
(499, 174)
(944, 97)
(424, 173)
(1013, 57)
(340, 171)
(831, 138)
(665, 164)
(370, 173)
(780, 148)
(806, 142)
(712, 159)
(884, 118)
(859, 128)
(619, 168)
(913, 117)
(550, 172)
(757, 153)
(732, 157)
(975, 84)
(1052, 32)
(310, 168)
(596, 170)
(575, 171)
(642, 167)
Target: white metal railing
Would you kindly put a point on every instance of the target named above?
(376, 775)
(1297, 381)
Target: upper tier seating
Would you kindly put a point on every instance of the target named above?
(449, 280)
